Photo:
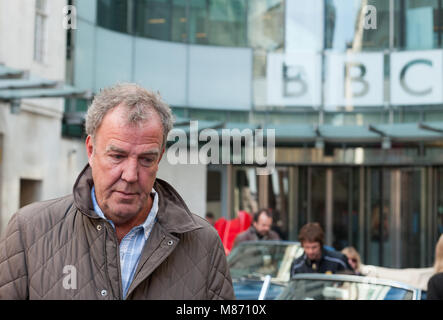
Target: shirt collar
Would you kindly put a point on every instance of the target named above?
(147, 224)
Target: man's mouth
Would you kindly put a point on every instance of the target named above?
(126, 194)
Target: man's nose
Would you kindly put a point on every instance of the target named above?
(130, 170)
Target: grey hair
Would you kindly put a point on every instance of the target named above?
(139, 101)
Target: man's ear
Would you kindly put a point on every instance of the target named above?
(89, 148)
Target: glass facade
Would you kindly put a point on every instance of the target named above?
(114, 15)
(334, 29)
(212, 22)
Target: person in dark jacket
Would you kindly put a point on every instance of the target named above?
(316, 259)
(260, 228)
(435, 283)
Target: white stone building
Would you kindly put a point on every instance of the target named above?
(36, 162)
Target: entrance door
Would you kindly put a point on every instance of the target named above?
(394, 217)
(330, 196)
(409, 217)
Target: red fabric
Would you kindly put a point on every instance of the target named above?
(228, 230)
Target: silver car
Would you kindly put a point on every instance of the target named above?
(313, 286)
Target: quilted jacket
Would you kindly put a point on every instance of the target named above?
(61, 249)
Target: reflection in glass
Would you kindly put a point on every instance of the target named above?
(318, 196)
(345, 207)
(423, 26)
(379, 219)
(198, 24)
(345, 25)
(266, 24)
(179, 21)
(153, 19)
(302, 197)
(245, 190)
(278, 201)
(410, 217)
(227, 22)
(113, 14)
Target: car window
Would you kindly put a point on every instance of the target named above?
(260, 259)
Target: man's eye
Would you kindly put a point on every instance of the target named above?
(147, 161)
(117, 156)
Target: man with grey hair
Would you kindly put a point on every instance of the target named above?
(123, 233)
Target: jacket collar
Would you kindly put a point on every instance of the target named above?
(173, 214)
(317, 262)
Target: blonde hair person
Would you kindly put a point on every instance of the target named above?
(435, 283)
(354, 259)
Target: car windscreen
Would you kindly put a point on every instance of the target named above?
(312, 289)
(260, 259)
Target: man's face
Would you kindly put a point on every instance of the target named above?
(124, 159)
(263, 224)
(312, 250)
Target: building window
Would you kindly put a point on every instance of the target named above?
(154, 19)
(344, 25)
(40, 30)
(115, 15)
(420, 24)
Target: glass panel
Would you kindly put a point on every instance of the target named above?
(341, 200)
(421, 29)
(279, 201)
(179, 21)
(318, 196)
(213, 193)
(433, 116)
(302, 197)
(113, 14)
(245, 190)
(355, 221)
(345, 25)
(304, 25)
(198, 24)
(227, 22)
(379, 219)
(266, 24)
(154, 19)
(353, 118)
(410, 218)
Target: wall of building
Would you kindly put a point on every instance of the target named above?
(36, 162)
